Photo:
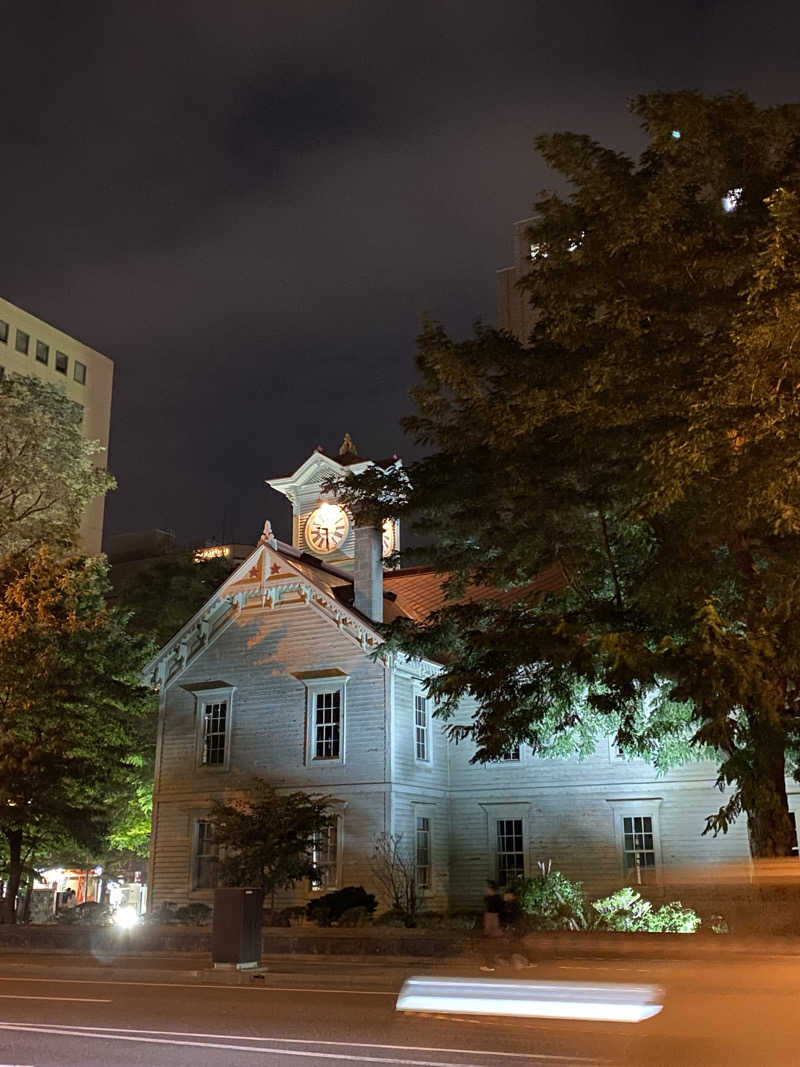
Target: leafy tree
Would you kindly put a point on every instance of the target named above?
(267, 839)
(74, 716)
(163, 597)
(627, 479)
(47, 471)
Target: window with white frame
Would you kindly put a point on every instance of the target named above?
(638, 842)
(327, 727)
(422, 853)
(325, 857)
(205, 857)
(793, 819)
(422, 731)
(511, 755)
(510, 851)
(214, 719)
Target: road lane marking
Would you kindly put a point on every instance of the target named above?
(69, 1000)
(208, 985)
(341, 1056)
(73, 1027)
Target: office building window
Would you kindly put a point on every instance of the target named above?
(78, 372)
(423, 852)
(638, 842)
(215, 731)
(4, 332)
(22, 342)
(510, 851)
(327, 724)
(206, 855)
(61, 363)
(325, 857)
(42, 352)
(421, 728)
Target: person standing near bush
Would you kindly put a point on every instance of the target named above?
(492, 915)
(512, 912)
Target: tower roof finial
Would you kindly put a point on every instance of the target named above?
(347, 448)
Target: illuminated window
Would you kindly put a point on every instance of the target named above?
(42, 352)
(206, 855)
(79, 372)
(215, 726)
(638, 842)
(421, 728)
(423, 852)
(327, 724)
(22, 342)
(510, 851)
(325, 857)
(4, 332)
(61, 363)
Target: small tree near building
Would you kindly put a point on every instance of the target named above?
(268, 838)
(74, 716)
(395, 870)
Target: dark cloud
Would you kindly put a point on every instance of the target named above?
(250, 206)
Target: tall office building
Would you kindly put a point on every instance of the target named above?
(32, 347)
(514, 312)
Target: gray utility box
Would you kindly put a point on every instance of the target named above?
(236, 933)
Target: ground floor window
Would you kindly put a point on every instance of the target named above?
(325, 856)
(638, 842)
(423, 852)
(510, 851)
(206, 855)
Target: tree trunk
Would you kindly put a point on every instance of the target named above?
(8, 911)
(769, 824)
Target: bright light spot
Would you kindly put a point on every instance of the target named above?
(603, 1001)
(212, 552)
(676, 134)
(537, 252)
(126, 917)
(732, 199)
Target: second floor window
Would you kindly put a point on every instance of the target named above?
(421, 731)
(327, 724)
(511, 755)
(22, 342)
(215, 722)
(42, 352)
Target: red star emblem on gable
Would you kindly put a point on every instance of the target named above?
(253, 572)
(275, 568)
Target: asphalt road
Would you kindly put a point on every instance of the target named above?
(733, 1013)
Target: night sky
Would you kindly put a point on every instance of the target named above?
(249, 206)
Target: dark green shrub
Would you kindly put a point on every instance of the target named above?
(392, 917)
(430, 920)
(627, 911)
(90, 913)
(354, 917)
(551, 901)
(328, 908)
(276, 917)
(195, 914)
(465, 920)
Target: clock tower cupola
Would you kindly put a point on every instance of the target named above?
(320, 525)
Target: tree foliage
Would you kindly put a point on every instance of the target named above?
(161, 598)
(643, 443)
(267, 838)
(47, 469)
(74, 717)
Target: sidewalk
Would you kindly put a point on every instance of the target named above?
(196, 969)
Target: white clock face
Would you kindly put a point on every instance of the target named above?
(388, 537)
(326, 528)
